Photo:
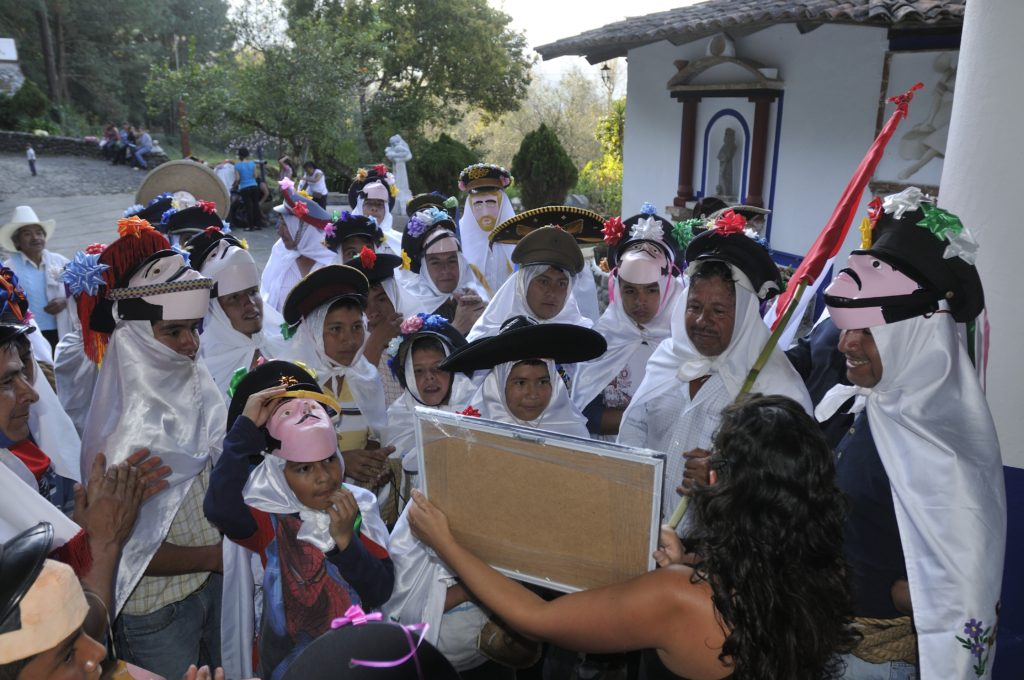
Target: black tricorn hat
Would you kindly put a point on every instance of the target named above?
(381, 265)
(667, 242)
(911, 248)
(201, 245)
(736, 248)
(324, 285)
(197, 217)
(435, 199)
(342, 652)
(296, 378)
(582, 224)
(348, 226)
(443, 331)
(521, 339)
(551, 246)
(21, 561)
(377, 173)
(158, 205)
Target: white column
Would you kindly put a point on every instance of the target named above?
(983, 183)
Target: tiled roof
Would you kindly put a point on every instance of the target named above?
(685, 24)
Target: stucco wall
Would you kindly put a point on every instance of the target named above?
(832, 79)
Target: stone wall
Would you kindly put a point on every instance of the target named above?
(15, 142)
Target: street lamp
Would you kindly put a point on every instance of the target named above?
(606, 75)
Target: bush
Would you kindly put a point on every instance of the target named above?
(29, 102)
(437, 168)
(602, 184)
(543, 170)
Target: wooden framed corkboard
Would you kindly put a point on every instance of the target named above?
(559, 511)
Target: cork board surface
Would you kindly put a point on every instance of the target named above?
(545, 510)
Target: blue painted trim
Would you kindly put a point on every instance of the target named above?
(775, 167)
(746, 152)
(787, 259)
(1010, 642)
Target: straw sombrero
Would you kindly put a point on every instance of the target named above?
(188, 176)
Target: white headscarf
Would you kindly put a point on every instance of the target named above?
(676, 361)
(268, 490)
(424, 295)
(224, 349)
(362, 377)
(495, 263)
(392, 237)
(282, 270)
(510, 301)
(625, 337)
(560, 415)
(401, 429)
(149, 396)
(934, 433)
(52, 429)
(75, 374)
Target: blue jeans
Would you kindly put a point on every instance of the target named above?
(140, 155)
(182, 633)
(858, 669)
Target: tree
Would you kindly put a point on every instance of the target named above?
(438, 166)
(431, 60)
(542, 169)
(601, 181)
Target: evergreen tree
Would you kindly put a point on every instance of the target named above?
(437, 168)
(542, 169)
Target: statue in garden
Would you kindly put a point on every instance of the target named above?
(399, 154)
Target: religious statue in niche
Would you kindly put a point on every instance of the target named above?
(399, 153)
(927, 139)
(726, 152)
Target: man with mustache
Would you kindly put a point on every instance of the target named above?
(716, 337)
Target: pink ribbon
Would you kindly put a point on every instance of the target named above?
(357, 617)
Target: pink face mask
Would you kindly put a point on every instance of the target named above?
(864, 279)
(304, 429)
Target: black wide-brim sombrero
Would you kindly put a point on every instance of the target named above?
(337, 653)
(323, 285)
(383, 268)
(298, 381)
(521, 339)
(582, 224)
(185, 175)
(447, 334)
(741, 251)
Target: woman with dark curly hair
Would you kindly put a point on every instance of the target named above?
(759, 591)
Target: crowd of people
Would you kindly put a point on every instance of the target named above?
(126, 145)
(209, 465)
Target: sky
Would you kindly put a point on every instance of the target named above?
(545, 21)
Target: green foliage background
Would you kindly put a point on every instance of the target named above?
(543, 170)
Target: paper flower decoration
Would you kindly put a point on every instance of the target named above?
(381, 170)
(905, 201)
(361, 174)
(648, 209)
(286, 185)
(406, 260)
(866, 229)
(962, 245)
(95, 249)
(208, 207)
(287, 331)
(649, 229)
(411, 325)
(181, 251)
(213, 229)
(132, 226)
(329, 230)
(393, 190)
(305, 194)
(167, 215)
(133, 210)
(470, 411)
(236, 378)
(730, 222)
(613, 230)
(451, 202)
(754, 236)
(417, 224)
(300, 209)
(367, 258)
(243, 243)
(433, 322)
(941, 223)
(393, 346)
(682, 232)
(84, 274)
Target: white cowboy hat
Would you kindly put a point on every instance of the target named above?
(23, 216)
